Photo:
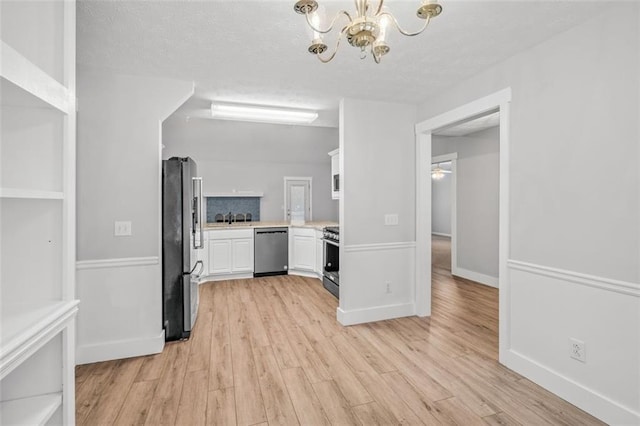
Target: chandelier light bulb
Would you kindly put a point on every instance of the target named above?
(367, 28)
(383, 23)
(314, 18)
(437, 174)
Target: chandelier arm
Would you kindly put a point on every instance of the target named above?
(325, 60)
(403, 32)
(333, 22)
(379, 9)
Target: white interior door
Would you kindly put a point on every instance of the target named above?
(297, 199)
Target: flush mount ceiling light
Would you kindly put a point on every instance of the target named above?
(262, 114)
(366, 29)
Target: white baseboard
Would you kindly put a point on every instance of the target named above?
(475, 276)
(106, 351)
(242, 276)
(378, 313)
(582, 397)
(440, 234)
(304, 274)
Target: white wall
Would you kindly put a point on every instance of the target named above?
(477, 189)
(243, 156)
(118, 175)
(441, 205)
(574, 235)
(40, 48)
(377, 146)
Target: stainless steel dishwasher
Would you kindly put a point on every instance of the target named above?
(271, 251)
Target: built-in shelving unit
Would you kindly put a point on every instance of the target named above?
(30, 411)
(37, 212)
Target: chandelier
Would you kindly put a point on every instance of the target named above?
(366, 29)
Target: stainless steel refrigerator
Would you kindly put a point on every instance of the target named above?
(181, 238)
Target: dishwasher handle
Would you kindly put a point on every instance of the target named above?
(274, 230)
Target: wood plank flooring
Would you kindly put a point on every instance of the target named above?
(269, 351)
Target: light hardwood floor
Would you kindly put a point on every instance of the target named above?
(269, 351)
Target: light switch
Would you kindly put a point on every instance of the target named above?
(391, 219)
(122, 229)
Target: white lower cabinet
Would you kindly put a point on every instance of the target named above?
(230, 252)
(242, 255)
(319, 253)
(302, 255)
(219, 257)
(305, 251)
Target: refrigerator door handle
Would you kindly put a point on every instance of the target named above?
(199, 262)
(198, 242)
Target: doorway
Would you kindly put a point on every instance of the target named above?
(444, 198)
(499, 101)
(297, 199)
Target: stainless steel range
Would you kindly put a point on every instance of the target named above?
(331, 269)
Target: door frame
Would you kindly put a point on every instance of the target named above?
(501, 101)
(292, 178)
(453, 157)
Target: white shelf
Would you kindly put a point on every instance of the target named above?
(31, 194)
(30, 411)
(30, 81)
(26, 327)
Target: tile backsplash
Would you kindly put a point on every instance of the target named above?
(235, 205)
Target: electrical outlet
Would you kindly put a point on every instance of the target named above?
(391, 219)
(577, 350)
(122, 229)
(388, 284)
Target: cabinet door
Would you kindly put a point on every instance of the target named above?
(242, 255)
(319, 254)
(219, 256)
(304, 253)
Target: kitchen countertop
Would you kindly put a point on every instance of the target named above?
(319, 225)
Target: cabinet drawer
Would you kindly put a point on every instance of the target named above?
(230, 234)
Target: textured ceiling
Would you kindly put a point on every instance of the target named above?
(256, 51)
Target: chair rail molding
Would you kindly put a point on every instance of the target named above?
(117, 262)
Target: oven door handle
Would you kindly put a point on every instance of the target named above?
(333, 243)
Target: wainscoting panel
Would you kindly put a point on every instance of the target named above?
(378, 280)
(548, 307)
(120, 312)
